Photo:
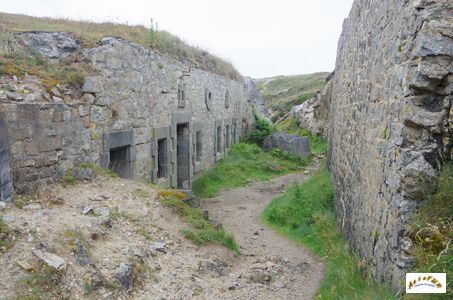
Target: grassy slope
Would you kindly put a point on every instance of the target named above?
(283, 92)
(92, 33)
(244, 161)
(305, 214)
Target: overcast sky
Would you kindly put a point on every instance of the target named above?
(260, 37)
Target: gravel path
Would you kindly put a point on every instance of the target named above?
(271, 266)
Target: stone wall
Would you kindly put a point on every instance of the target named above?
(134, 102)
(390, 123)
(314, 113)
(6, 188)
(255, 97)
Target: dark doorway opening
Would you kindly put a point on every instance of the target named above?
(234, 134)
(198, 145)
(120, 161)
(219, 139)
(162, 159)
(182, 156)
(227, 136)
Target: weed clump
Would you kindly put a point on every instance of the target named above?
(6, 236)
(431, 229)
(42, 279)
(68, 179)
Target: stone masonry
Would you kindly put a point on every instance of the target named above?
(141, 115)
(387, 114)
(6, 187)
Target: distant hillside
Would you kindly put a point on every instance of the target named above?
(91, 33)
(281, 93)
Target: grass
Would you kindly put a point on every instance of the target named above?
(91, 33)
(203, 231)
(305, 213)
(6, 236)
(42, 279)
(318, 144)
(431, 230)
(68, 179)
(281, 93)
(244, 162)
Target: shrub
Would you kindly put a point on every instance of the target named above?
(261, 130)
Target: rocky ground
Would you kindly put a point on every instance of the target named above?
(111, 239)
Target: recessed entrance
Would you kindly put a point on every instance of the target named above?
(227, 136)
(6, 181)
(182, 156)
(120, 160)
(198, 146)
(162, 159)
(219, 140)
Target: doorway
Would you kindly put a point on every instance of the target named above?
(182, 156)
(119, 161)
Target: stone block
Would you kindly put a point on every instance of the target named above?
(92, 85)
(290, 143)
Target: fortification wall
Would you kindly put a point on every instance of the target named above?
(6, 188)
(390, 123)
(142, 114)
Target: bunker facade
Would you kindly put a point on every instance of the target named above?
(140, 114)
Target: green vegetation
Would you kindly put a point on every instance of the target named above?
(203, 230)
(90, 33)
(42, 279)
(6, 236)
(305, 214)
(318, 144)
(281, 93)
(244, 162)
(431, 230)
(68, 179)
(260, 131)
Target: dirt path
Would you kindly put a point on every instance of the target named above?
(271, 266)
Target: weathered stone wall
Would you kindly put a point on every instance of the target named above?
(314, 113)
(136, 99)
(6, 188)
(255, 97)
(390, 123)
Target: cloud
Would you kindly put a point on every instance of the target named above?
(261, 38)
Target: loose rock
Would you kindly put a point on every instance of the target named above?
(102, 211)
(125, 276)
(50, 259)
(24, 265)
(159, 247)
